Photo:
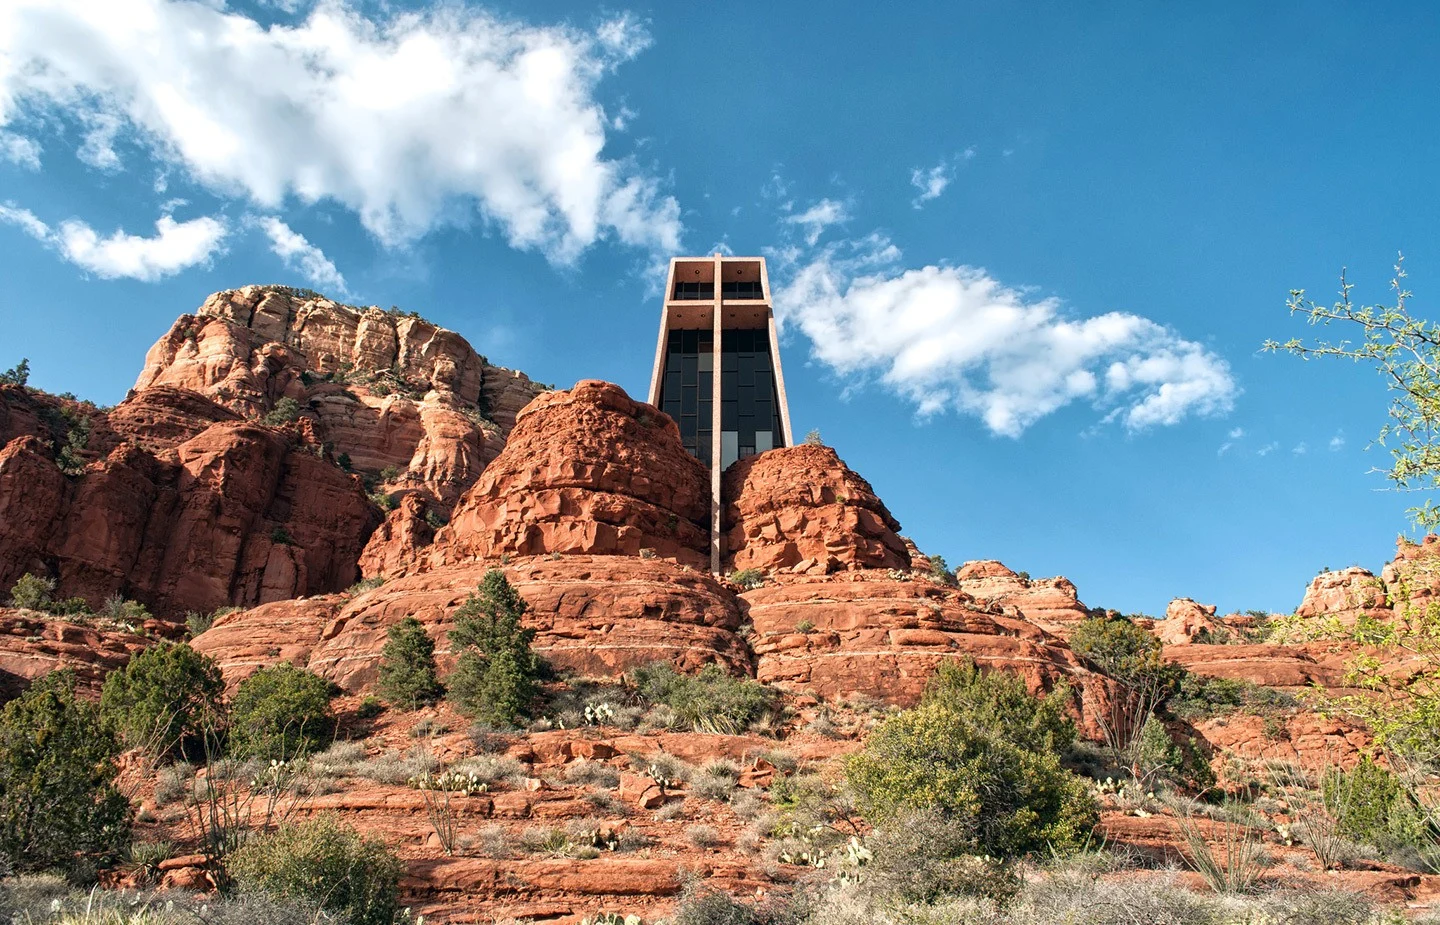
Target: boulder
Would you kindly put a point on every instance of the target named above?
(1050, 603)
(585, 471)
(803, 504)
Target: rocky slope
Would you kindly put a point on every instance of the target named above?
(184, 498)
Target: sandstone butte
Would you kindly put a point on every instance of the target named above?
(412, 462)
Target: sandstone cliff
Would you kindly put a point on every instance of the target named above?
(382, 388)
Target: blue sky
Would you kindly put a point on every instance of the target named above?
(1025, 255)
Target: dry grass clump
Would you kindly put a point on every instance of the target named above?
(491, 769)
(589, 773)
(393, 767)
(702, 836)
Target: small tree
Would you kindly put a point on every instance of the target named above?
(495, 672)
(1134, 659)
(1006, 799)
(19, 374)
(279, 713)
(57, 779)
(408, 676)
(33, 592)
(286, 410)
(167, 696)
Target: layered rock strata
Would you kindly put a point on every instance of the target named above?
(187, 515)
(385, 389)
(801, 509)
(585, 471)
(597, 616)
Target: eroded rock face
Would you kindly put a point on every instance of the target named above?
(385, 389)
(237, 514)
(33, 645)
(1344, 595)
(585, 471)
(866, 633)
(1050, 603)
(802, 509)
(1186, 621)
(595, 615)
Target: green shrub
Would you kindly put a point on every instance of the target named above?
(323, 861)
(285, 410)
(922, 857)
(281, 537)
(33, 592)
(122, 610)
(389, 473)
(1134, 658)
(1200, 697)
(343, 461)
(279, 713)
(407, 666)
(976, 755)
(1180, 762)
(709, 700)
(748, 578)
(166, 696)
(940, 570)
(383, 500)
(495, 674)
(197, 622)
(1374, 807)
(1000, 701)
(58, 800)
(19, 374)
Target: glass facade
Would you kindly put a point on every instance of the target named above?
(684, 290)
(742, 290)
(749, 410)
(686, 391)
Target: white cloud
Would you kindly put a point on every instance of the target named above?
(931, 183)
(1268, 448)
(1337, 442)
(817, 218)
(302, 256)
(413, 121)
(20, 150)
(1300, 449)
(956, 338)
(1237, 433)
(175, 247)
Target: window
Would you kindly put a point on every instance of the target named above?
(737, 289)
(696, 291)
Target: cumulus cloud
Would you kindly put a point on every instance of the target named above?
(1300, 449)
(20, 150)
(302, 256)
(1337, 442)
(412, 121)
(1268, 448)
(176, 246)
(814, 220)
(955, 338)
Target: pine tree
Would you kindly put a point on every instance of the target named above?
(495, 671)
(407, 666)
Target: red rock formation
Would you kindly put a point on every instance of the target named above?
(33, 645)
(399, 541)
(586, 471)
(1050, 603)
(1344, 595)
(801, 509)
(866, 633)
(237, 514)
(1185, 621)
(596, 615)
(383, 388)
